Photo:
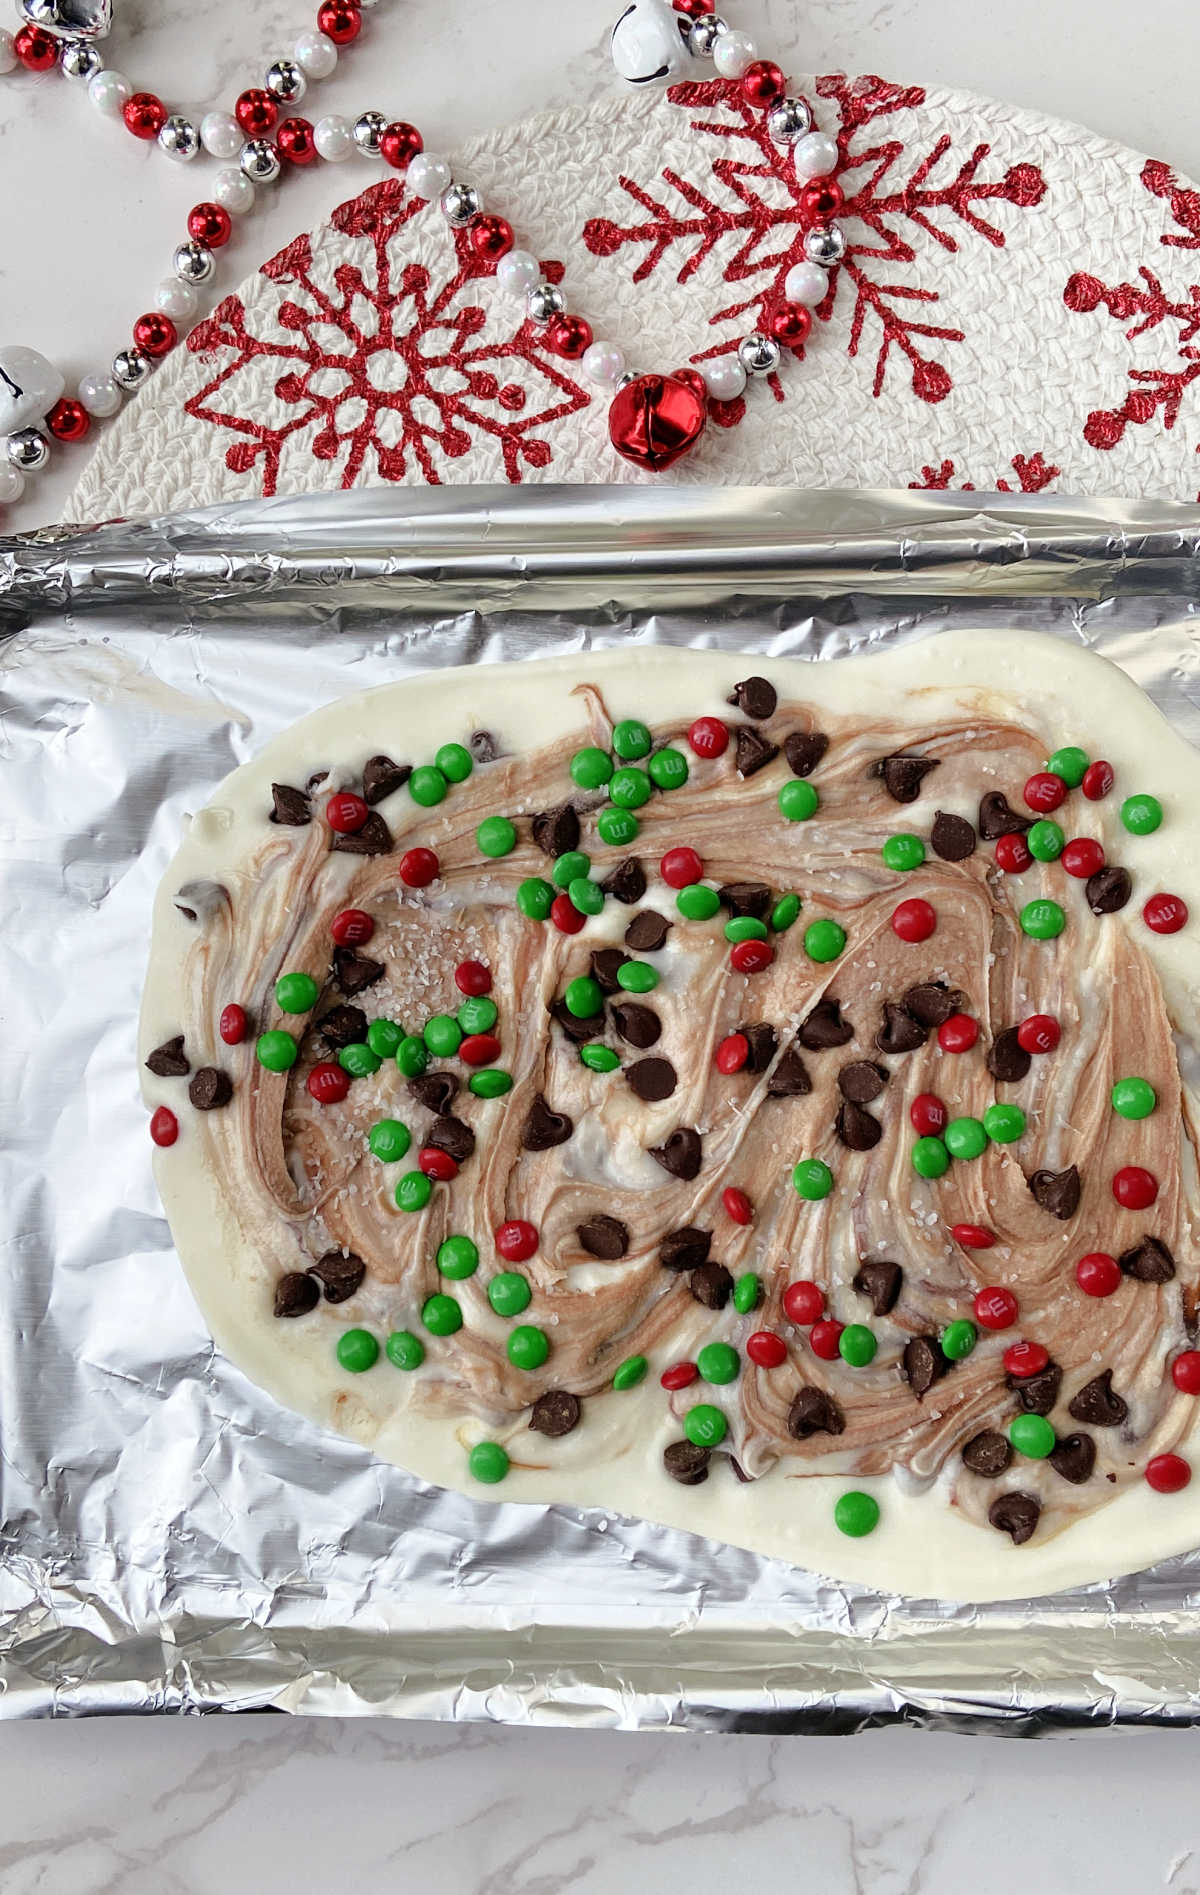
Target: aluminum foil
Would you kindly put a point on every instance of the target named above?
(169, 1539)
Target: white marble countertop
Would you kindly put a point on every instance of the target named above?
(272, 1804)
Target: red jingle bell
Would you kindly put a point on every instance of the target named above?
(654, 420)
(691, 378)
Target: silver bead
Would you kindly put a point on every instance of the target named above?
(28, 450)
(79, 60)
(824, 244)
(369, 128)
(704, 34)
(544, 302)
(130, 368)
(460, 203)
(759, 354)
(193, 263)
(789, 121)
(259, 161)
(179, 138)
(286, 80)
(69, 19)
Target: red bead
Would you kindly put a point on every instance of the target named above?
(257, 111)
(418, 867)
(569, 336)
(1012, 854)
(995, 1307)
(737, 1205)
(209, 224)
(1098, 1274)
(732, 1053)
(766, 1349)
(1044, 791)
(1082, 857)
(565, 915)
(328, 1083)
(824, 1337)
(763, 82)
(68, 420)
(803, 1303)
(914, 920)
(928, 1115)
(164, 1126)
(399, 144)
(233, 1024)
(36, 49)
(437, 1164)
(1166, 914)
(339, 21)
(1167, 1473)
(709, 737)
(516, 1241)
(973, 1236)
(751, 957)
(1098, 780)
(155, 334)
(679, 868)
(679, 1375)
(296, 142)
(822, 200)
(346, 812)
(479, 1049)
(490, 237)
(1040, 1033)
(1024, 1359)
(473, 978)
(1135, 1188)
(1185, 1372)
(144, 114)
(691, 378)
(790, 325)
(958, 1034)
(352, 928)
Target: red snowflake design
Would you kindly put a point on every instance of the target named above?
(1157, 393)
(754, 211)
(383, 362)
(1033, 471)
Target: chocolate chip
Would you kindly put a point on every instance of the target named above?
(436, 1091)
(756, 696)
(339, 1275)
(861, 1081)
(931, 1002)
(483, 746)
(903, 776)
(169, 1061)
(291, 806)
(880, 1281)
(374, 838)
(603, 1236)
(651, 1079)
(987, 1454)
(1074, 1458)
(804, 750)
(685, 1249)
(639, 1025)
(900, 1033)
(997, 819)
(1017, 1515)
(856, 1129)
(687, 1463)
(953, 837)
(1007, 1058)
(353, 972)
(381, 777)
(1096, 1403)
(452, 1136)
(1107, 890)
(606, 963)
(210, 1088)
(543, 1128)
(556, 1412)
(1057, 1191)
(762, 1039)
(814, 1412)
(575, 1029)
(556, 830)
(1037, 1394)
(791, 1079)
(296, 1294)
(681, 1153)
(712, 1285)
(754, 751)
(745, 899)
(647, 932)
(825, 1027)
(1148, 1262)
(315, 781)
(343, 1026)
(739, 1472)
(923, 1364)
(627, 881)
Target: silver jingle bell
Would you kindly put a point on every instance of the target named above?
(179, 138)
(544, 302)
(704, 34)
(131, 368)
(759, 354)
(789, 121)
(286, 81)
(28, 450)
(79, 60)
(193, 263)
(461, 204)
(259, 161)
(369, 128)
(69, 19)
(824, 244)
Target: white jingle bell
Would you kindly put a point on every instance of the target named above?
(29, 388)
(648, 44)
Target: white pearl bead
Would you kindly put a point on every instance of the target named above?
(221, 135)
(518, 272)
(8, 59)
(806, 283)
(603, 363)
(234, 190)
(316, 54)
(108, 91)
(732, 54)
(100, 394)
(12, 480)
(333, 138)
(429, 175)
(177, 300)
(724, 377)
(815, 155)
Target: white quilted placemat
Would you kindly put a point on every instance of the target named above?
(1019, 308)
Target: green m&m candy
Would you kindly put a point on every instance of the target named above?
(958, 1340)
(747, 1293)
(785, 913)
(413, 1191)
(630, 787)
(824, 940)
(569, 867)
(357, 1350)
(1033, 1436)
(296, 993)
(745, 928)
(630, 1372)
(404, 1350)
(389, 1140)
(443, 1035)
(584, 997)
(276, 1050)
(586, 895)
(442, 1315)
(600, 1059)
(1042, 920)
(965, 1138)
(478, 1014)
(1004, 1123)
(455, 762)
(412, 1056)
(718, 1362)
(1141, 815)
(1046, 841)
(591, 768)
(930, 1159)
(637, 977)
(457, 1257)
(509, 1293)
(527, 1346)
(488, 1462)
(697, 902)
(1070, 763)
(813, 1179)
(496, 836)
(705, 1426)
(668, 769)
(427, 786)
(857, 1345)
(617, 827)
(384, 1038)
(798, 800)
(492, 1083)
(358, 1060)
(856, 1515)
(1134, 1098)
(631, 739)
(902, 853)
(535, 898)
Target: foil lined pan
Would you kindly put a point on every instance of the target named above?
(170, 1539)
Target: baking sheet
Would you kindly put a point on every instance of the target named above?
(169, 1538)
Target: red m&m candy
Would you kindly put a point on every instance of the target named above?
(679, 868)
(995, 1308)
(1040, 1033)
(437, 1164)
(1082, 857)
(1165, 914)
(709, 737)
(233, 1024)
(803, 1303)
(1023, 1359)
(973, 1236)
(473, 978)
(1098, 1274)
(1098, 780)
(1012, 854)
(679, 1375)
(1134, 1188)
(346, 812)
(751, 957)
(516, 1240)
(1185, 1372)
(418, 867)
(928, 1115)
(914, 920)
(1044, 791)
(958, 1034)
(352, 928)
(737, 1205)
(164, 1126)
(1167, 1473)
(327, 1083)
(565, 915)
(824, 1338)
(479, 1049)
(732, 1053)
(766, 1349)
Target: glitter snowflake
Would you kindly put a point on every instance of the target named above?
(380, 365)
